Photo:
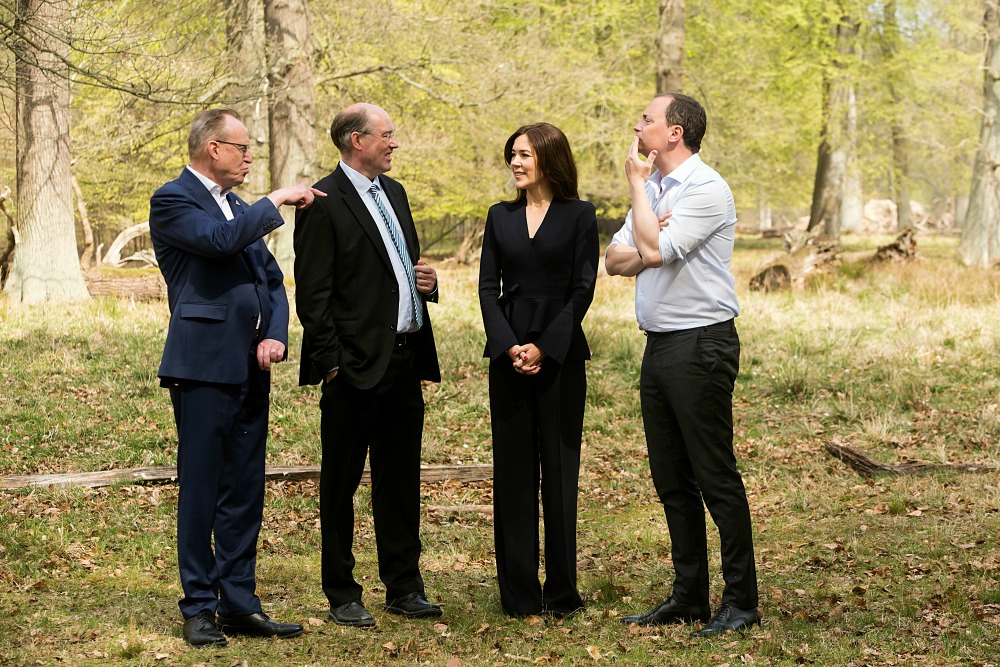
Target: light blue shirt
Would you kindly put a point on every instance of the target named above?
(694, 286)
(406, 320)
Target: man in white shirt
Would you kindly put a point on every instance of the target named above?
(677, 241)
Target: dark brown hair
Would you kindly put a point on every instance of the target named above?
(689, 114)
(553, 158)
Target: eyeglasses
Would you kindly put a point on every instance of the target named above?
(386, 136)
(243, 148)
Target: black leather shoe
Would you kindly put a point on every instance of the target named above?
(201, 630)
(352, 613)
(414, 605)
(671, 611)
(729, 619)
(258, 625)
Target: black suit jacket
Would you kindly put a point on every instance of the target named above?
(537, 290)
(346, 294)
(220, 276)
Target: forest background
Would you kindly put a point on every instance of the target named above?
(896, 360)
(894, 88)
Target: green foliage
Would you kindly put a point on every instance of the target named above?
(458, 78)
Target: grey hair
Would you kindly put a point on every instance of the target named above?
(206, 124)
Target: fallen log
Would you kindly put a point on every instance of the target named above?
(806, 256)
(868, 467)
(903, 249)
(126, 285)
(163, 474)
(810, 255)
(460, 509)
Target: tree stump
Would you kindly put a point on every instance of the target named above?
(903, 249)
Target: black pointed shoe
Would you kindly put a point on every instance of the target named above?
(671, 611)
(729, 619)
(201, 630)
(414, 605)
(258, 625)
(352, 614)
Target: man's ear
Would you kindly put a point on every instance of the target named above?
(676, 133)
(356, 141)
(212, 151)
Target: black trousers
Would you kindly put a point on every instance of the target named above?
(686, 391)
(386, 424)
(221, 438)
(537, 424)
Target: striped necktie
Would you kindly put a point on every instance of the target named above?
(395, 233)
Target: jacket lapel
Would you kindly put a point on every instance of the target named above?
(364, 218)
(201, 194)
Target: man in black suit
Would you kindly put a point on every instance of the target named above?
(228, 324)
(361, 293)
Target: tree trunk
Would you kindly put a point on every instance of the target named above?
(830, 200)
(45, 265)
(852, 208)
(245, 47)
(980, 243)
(900, 159)
(87, 256)
(670, 47)
(292, 116)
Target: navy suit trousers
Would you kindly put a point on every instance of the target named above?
(221, 433)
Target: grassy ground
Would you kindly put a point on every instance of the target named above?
(901, 362)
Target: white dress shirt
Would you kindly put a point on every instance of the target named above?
(406, 320)
(216, 190)
(694, 286)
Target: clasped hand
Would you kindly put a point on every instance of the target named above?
(527, 358)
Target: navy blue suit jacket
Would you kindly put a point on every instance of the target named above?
(220, 276)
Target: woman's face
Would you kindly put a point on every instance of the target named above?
(523, 164)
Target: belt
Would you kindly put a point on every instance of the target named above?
(728, 324)
(403, 340)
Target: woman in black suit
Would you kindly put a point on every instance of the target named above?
(536, 281)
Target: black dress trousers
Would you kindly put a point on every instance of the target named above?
(384, 423)
(537, 431)
(686, 392)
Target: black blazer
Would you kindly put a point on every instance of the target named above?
(346, 294)
(220, 276)
(537, 290)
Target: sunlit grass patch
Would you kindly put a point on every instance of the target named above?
(898, 361)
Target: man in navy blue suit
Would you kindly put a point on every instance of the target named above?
(228, 324)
